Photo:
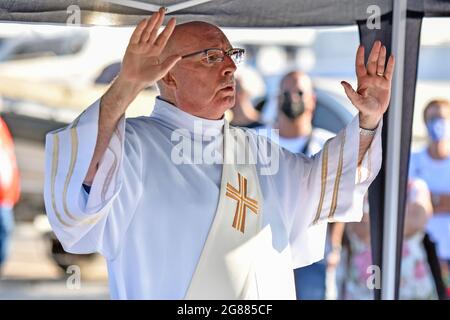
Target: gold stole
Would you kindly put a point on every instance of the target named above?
(226, 269)
(239, 260)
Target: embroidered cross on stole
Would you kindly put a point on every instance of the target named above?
(243, 202)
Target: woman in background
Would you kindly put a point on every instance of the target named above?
(416, 280)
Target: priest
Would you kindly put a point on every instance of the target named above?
(184, 206)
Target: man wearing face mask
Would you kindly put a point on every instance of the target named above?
(432, 164)
(296, 106)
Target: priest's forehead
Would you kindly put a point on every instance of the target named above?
(196, 35)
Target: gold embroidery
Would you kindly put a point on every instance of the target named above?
(111, 170)
(73, 158)
(243, 202)
(338, 178)
(323, 180)
(54, 171)
(109, 175)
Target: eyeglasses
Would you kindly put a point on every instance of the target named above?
(215, 55)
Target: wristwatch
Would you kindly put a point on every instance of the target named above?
(367, 132)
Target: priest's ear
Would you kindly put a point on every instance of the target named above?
(169, 81)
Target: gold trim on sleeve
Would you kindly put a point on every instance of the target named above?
(53, 179)
(323, 181)
(73, 159)
(74, 151)
(338, 178)
(109, 175)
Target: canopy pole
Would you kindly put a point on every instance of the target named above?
(393, 153)
(153, 8)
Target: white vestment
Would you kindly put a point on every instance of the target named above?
(150, 217)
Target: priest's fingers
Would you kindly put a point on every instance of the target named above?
(389, 68)
(137, 33)
(158, 24)
(351, 94)
(162, 39)
(150, 27)
(373, 58)
(381, 61)
(360, 67)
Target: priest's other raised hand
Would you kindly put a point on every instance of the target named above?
(372, 96)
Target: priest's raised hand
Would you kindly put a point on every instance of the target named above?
(141, 64)
(141, 68)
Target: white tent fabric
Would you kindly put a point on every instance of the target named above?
(229, 13)
(226, 13)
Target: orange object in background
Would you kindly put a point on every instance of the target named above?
(9, 172)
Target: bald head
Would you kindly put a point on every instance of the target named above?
(299, 86)
(298, 80)
(190, 36)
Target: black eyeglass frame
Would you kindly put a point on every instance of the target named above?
(228, 52)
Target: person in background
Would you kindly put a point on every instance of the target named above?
(432, 164)
(296, 106)
(244, 114)
(416, 279)
(9, 189)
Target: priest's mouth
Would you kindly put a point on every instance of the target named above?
(228, 88)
